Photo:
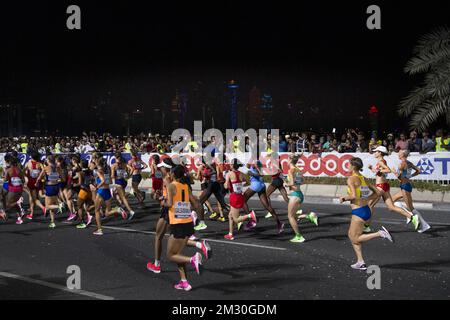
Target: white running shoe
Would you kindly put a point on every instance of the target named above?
(424, 226)
(359, 266)
(385, 234)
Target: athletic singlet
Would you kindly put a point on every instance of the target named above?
(107, 178)
(14, 181)
(180, 212)
(87, 179)
(298, 179)
(157, 174)
(254, 179)
(407, 173)
(52, 177)
(237, 187)
(378, 168)
(35, 171)
(74, 176)
(121, 173)
(363, 191)
(137, 165)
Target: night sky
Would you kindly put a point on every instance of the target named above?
(320, 52)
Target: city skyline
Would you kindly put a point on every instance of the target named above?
(321, 56)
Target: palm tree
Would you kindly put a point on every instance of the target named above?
(430, 101)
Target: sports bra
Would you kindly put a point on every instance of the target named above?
(363, 191)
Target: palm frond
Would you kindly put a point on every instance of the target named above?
(433, 40)
(424, 61)
(414, 99)
(437, 83)
(429, 113)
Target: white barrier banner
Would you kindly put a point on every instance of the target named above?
(434, 165)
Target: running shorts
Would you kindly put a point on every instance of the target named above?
(84, 195)
(104, 193)
(204, 186)
(32, 184)
(363, 212)
(51, 190)
(182, 230)
(407, 187)
(298, 194)
(121, 182)
(157, 184)
(258, 187)
(277, 183)
(136, 178)
(237, 201)
(384, 186)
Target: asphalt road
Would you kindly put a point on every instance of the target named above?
(257, 265)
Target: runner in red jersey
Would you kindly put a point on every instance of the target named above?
(33, 170)
(234, 184)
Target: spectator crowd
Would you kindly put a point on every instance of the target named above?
(350, 141)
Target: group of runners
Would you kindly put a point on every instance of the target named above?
(87, 188)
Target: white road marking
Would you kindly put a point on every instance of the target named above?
(210, 240)
(386, 220)
(55, 286)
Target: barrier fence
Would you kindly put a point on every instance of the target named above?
(435, 166)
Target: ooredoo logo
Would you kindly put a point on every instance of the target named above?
(329, 165)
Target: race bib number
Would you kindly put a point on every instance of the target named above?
(182, 210)
(298, 179)
(365, 192)
(16, 181)
(158, 175)
(122, 174)
(35, 173)
(238, 188)
(53, 176)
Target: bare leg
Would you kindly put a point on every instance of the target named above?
(356, 236)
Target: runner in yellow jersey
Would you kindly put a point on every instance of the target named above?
(359, 195)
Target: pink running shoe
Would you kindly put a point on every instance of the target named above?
(71, 216)
(152, 267)
(196, 262)
(123, 213)
(253, 217)
(29, 216)
(183, 285)
(3, 215)
(206, 249)
(19, 220)
(229, 236)
(89, 219)
(250, 225)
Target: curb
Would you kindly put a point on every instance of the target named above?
(335, 201)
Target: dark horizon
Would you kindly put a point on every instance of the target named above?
(321, 55)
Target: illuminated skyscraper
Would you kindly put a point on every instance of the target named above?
(232, 87)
